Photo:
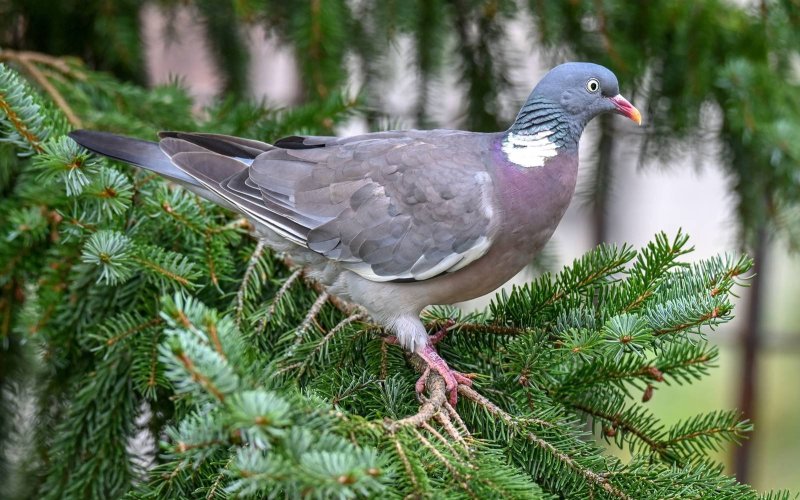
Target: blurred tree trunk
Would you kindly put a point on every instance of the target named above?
(603, 178)
(750, 342)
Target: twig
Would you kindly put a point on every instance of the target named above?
(447, 424)
(592, 476)
(316, 307)
(251, 265)
(406, 463)
(212, 492)
(27, 62)
(278, 296)
(336, 329)
(454, 416)
(512, 422)
(438, 454)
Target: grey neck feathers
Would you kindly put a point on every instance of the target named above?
(539, 115)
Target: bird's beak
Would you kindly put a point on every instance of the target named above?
(625, 108)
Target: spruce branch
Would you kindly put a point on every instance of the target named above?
(251, 266)
(28, 60)
(276, 299)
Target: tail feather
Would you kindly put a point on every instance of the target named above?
(144, 154)
(147, 155)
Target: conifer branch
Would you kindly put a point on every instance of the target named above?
(278, 297)
(439, 436)
(27, 62)
(618, 420)
(132, 330)
(447, 424)
(406, 463)
(251, 265)
(591, 476)
(199, 377)
(444, 461)
(162, 270)
(311, 358)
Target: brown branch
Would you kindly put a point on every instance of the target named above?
(406, 462)
(514, 423)
(704, 432)
(685, 326)
(20, 126)
(151, 379)
(135, 329)
(221, 475)
(447, 424)
(278, 296)
(211, 327)
(487, 328)
(257, 253)
(336, 329)
(27, 61)
(198, 377)
(590, 475)
(161, 270)
(315, 309)
(616, 420)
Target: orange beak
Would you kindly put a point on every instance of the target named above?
(625, 108)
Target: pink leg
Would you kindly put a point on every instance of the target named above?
(451, 377)
(429, 354)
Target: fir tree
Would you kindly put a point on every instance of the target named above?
(131, 308)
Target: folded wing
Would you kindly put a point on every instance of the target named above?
(391, 206)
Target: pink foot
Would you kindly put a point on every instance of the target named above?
(429, 354)
(451, 377)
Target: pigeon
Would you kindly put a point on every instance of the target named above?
(397, 221)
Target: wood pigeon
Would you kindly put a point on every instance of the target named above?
(397, 221)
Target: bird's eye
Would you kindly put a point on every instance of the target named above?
(593, 85)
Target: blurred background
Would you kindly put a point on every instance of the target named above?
(718, 155)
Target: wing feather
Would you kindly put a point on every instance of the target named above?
(391, 206)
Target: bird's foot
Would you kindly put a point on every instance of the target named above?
(452, 378)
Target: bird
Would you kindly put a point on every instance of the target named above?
(397, 221)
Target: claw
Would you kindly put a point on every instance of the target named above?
(420, 385)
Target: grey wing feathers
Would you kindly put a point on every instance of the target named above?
(390, 206)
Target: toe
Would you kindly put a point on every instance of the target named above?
(420, 385)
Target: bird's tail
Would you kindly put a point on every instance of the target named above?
(143, 154)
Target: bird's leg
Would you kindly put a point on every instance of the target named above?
(451, 377)
(430, 355)
(433, 339)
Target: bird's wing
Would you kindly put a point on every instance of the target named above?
(392, 206)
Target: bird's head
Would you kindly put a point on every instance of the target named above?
(578, 92)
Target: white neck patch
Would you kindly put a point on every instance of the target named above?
(529, 150)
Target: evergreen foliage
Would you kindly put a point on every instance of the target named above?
(162, 353)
